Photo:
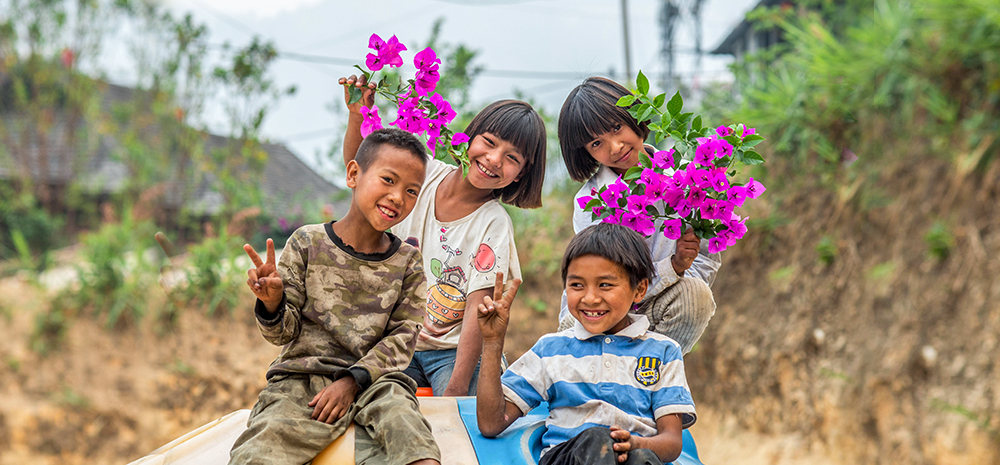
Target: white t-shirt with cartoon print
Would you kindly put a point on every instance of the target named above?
(460, 257)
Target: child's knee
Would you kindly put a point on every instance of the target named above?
(701, 301)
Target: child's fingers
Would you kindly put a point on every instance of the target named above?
(488, 303)
(498, 287)
(253, 255)
(270, 251)
(514, 286)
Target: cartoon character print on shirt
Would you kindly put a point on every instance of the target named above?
(647, 370)
(446, 299)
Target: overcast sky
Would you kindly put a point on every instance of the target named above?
(561, 40)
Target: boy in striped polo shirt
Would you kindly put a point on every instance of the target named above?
(616, 391)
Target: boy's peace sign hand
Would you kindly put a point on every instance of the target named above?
(494, 314)
(264, 280)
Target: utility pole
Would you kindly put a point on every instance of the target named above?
(628, 54)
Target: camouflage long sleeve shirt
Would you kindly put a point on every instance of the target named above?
(345, 312)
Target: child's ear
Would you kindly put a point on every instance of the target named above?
(640, 291)
(353, 170)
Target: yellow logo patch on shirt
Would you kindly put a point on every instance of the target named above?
(647, 371)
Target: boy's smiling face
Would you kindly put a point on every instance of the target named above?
(387, 190)
(599, 294)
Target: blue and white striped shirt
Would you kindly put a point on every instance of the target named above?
(628, 379)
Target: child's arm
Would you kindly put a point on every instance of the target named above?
(494, 413)
(352, 138)
(666, 444)
(470, 346)
(281, 293)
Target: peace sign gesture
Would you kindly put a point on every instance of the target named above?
(494, 314)
(264, 280)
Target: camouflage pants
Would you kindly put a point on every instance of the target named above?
(390, 428)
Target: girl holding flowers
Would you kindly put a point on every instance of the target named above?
(600, 141)
(459, 224)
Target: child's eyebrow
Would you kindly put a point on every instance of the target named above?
(605, 277)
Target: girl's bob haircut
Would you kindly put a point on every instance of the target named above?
(615, 243)
(591, 109)
(517, 123)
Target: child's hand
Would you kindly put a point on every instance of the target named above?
(367, 96)
(264, 280)
(334, 400)
(494, 314)
(687, 250)
(624, 442)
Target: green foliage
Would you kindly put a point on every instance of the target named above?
(536, 304)
(542, 234)
(939, 241)
(50, 327)
(903, 70)
(826, 250)
(115, 274)
(27, 231)
(214, 279)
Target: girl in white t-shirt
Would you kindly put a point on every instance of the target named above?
(464, 233)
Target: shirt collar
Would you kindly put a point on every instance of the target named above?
(637, 328)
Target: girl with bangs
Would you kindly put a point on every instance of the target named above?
(599, 142)
(464, 233)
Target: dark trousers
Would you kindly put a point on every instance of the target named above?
(594, 446)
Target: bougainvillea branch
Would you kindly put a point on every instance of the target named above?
(691, 185)
(419, 109)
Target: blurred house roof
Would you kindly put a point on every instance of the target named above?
(286, 182)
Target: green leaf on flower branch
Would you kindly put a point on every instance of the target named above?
(368, 76)
(732, 140)
(752, 158)
(677, 135)
(646, 112)
(654, 127)
(633, 173)
(732, 172)
(724, 161)
(658, 137)
(644, 160)
(739, 129)
(684, 117)
(626, 100)
(594, 202)
(665, 119)
(752, 140)
(696, 124)
(675, 104)
(658, 101)
(355, 95)
(642, 84)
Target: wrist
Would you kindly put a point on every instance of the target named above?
(493, 345)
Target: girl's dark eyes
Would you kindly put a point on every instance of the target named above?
(595, 143)
(488, 140)
(618, 127)
(412, 191)
(387, 179)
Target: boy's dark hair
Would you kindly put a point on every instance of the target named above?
(516, 122)
(369, 149)
(617, 244)
(591, 109)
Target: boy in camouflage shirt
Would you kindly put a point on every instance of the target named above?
(346, 303)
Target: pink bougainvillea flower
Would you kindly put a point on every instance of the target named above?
(680, 179)
(672, 196)
(754, 188)
(749, 131)
(704, 155)
(615, 217)
(583, 201)
(683, 208)
(702, 179)
(433, 133)
(723, 148)
(737, 195)
(710, 209)
(426, 59)
(411, 119)
(672, 229)
(617, 189)
(637, 204)
(696, 197)
(725, 209)
(723, 131)
(387, 53)
(639, 223)
(445, 114)
(459, 138)
(664, 159)
(425, 81)
(719, 180)
(716, 244)
(370, 122)
(374, 62)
